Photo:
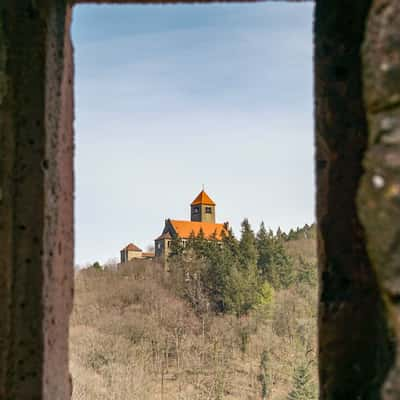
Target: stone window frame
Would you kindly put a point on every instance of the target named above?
(355, 70)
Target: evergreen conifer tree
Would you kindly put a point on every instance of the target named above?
(242, 292)
(281, 272)
(247, 245)
(216, 274)
(264, 376)
(176, 247)
(231, 245)
(291, 235)
(190, 243)
(307, 272)
(215, 263)
(303, 387)
(264, 248)
(273, 262)
(200, 244)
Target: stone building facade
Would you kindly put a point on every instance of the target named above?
(133, 252)
(202, 219)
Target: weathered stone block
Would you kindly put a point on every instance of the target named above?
(36, 193)
(379, 197)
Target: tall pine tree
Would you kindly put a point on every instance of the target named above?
(281, 272)
(263, 377)
(247, 245)
(176, 247)
(264, 247)
(303, 387)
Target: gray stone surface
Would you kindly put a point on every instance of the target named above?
(36, 260)
(379, 197)
(354, 346)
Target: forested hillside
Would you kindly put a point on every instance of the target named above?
(235, 320)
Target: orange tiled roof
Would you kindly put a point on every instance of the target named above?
(203, 198)
(185, 228)
(132, 247)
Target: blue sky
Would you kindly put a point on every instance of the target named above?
(172, 97)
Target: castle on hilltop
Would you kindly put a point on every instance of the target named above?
(202, 218)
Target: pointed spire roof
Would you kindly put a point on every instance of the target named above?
(203, 198)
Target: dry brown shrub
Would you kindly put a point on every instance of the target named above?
(133, 338)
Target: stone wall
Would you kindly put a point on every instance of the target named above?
(354, 345)
(379, 197)
(36, 198)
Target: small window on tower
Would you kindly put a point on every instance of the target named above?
(196, 210)
(208, 210)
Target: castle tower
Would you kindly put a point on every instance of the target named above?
(202, 209)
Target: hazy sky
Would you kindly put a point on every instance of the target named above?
(172, 97)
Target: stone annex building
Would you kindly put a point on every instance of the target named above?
(131, 251)
(202, 218)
